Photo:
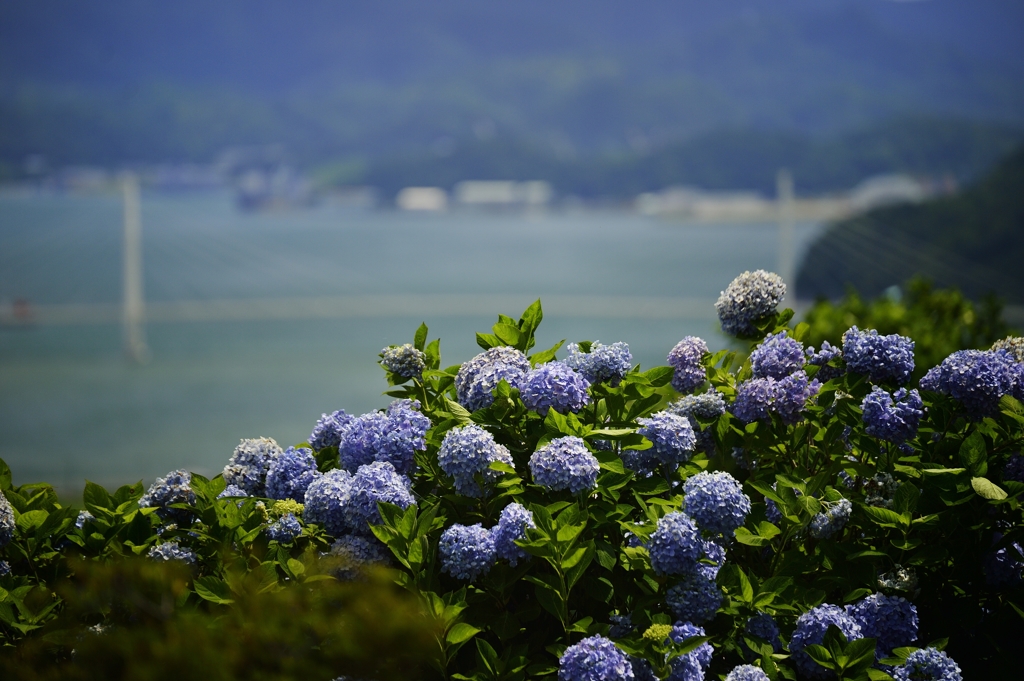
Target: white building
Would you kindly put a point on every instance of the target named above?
(422, 198)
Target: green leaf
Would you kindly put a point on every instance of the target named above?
(460, 413)
(420, 339)
(545, 356)
(877, 675)
(745, 536)
(487, 341)
(884, 516)
(658, 376)
(94, 495)
(30, 520)
(905, 499)
(509, 334)
(861, 653)
(987, 489)
(214, 590)
(746, 589)
(532, 317)
(820, 654)
(461, 633)
(5, 475)
(974, 455)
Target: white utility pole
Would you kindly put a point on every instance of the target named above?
(134, 306)
(787, 261)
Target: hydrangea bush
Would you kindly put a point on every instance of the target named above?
(798, 514)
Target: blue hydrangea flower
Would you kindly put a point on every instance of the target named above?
(512, 524)
(928, 664)
(565, 464)
(5, 568)
(7, 523)
(232, 491)
(777, 356)
(832, 519)
(810, 629)
(641, 461)
(758, 398)
(594, 659)
(978, 379)
(284, 529)
(404, 361)
(672, 436)
(171, 551)
(394, 436)
(83, 518)
(327, 431)
(714, 552)
(696, 598)
(890, 620)
(764, 627)
(686, 358)
(882, 358)
(716, 501)
(378, 481)
(1005, 567)
(603, 364)
(748, 299)
(291, 473)
(692, 665)
(822, 358)
(554, 386)
(326, 500)
(1014, 469)
(466, 453)
(478, 377)
(747, 672)
(249, 463)
(355, 553)
(895, 417)
(675, 545)
(173, 488)
(622, 626)
(467, 552)
(706, 406)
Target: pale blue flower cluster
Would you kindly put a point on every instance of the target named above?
(249, 463)
(622, 626)
(5, 568)
(764, 627)
(603, 364)
(686, 358)
(466, 453)
(356, 553)
(822, 358)
(378, 481)
(393, 436)
(171, 551)
(467, 552)
(716, 501)
(83, 518)
(7, 523)
(832, 519)
(714, 552)
(749, 298)
(326, 498)
(695, 599)
(173, 488)
(777, 356)
(478, 377)
(758, 398)
(692, 665)
(810, 629)
(327, 431)
(880, 489)
(284, 529)
(747, 672)
(1012, 345)
(672, 436)
(928, 664)
(882, 358)
(978, 379)
(232, 491)
(554, 386)
(1014, 468)
(512, 524)
(594, 658)
(894, 418)
(404, 361)
(291, 473)
(890, 620)
(675, 545)
(565, 464)
(706, 406)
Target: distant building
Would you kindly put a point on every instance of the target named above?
(696, 204)
(887, 190)
(422, 198)
(503, 194)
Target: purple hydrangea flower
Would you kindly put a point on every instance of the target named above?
(810, 629)
(714, 552)
(594, 658)
(894, 417)
(696, 598)
(285, 529)
(1005, 567)
(622, 626)
(512, 524)
(672, 436)
(249, 463)
(467, 552)
(468, 452)
(747, 672)
(978, 379)
(758, 398)
(822, 358)
(377, 481)
(171, 551)
(404, 361)
(393, 436)
(478, 377)
(686, 358)
(716, 502)
(832, 519)
(1014, 469)
(291, 473)
(748, 299)
(675, 545)
(7, 523)
(882, 358)
(603, 364)
(327, 431)
(777, 356)
(707, 406)
(764, 627)
(890, 620)
(565, 464)
(928, 664)
(173, 488)
(692, 665)
(356, 553)
(232, 491)
(554, 386)
(5, 568)
(326, 499)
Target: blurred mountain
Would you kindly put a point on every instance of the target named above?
(973, 241)
(146, 80)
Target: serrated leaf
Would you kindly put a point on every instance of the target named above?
(214, 590)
